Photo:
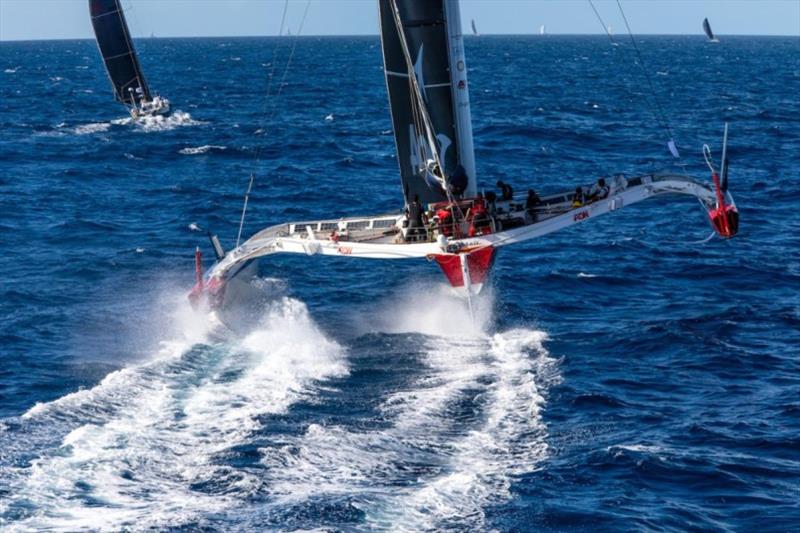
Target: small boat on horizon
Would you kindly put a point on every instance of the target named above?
(708, 32)
(542, 30)
(122, 64)
(474, 29)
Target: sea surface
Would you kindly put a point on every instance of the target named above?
(626, 374)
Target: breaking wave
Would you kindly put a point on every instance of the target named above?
(132, 451)
(202, 149)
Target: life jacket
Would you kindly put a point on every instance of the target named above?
(445, 221)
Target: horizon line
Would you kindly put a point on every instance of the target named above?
(466, 35)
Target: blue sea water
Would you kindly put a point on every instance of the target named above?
(623, 374)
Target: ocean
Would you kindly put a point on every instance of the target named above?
(623, 375)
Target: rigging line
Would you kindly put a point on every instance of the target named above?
(663, 116)
(430, 132)
(272, 110)
(257, 156)
(603, 24)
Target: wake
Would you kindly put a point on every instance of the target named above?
(141, 449)
(157, 445)
(148, 124)
(449, 445)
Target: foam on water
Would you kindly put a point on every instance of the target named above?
(176, 119)
(131, 451)
(201, 149)
(95, 127)
(463, 459)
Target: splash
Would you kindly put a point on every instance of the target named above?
(131, 452)
(444, 447)
(435, 309)
(176, 119)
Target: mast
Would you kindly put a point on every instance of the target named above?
(460, 93)
(116, 48)
(426, 80)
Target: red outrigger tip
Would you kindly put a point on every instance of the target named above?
(479, 263)
(197, 290)
(724, 218)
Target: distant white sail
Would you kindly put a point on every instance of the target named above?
(542, 30)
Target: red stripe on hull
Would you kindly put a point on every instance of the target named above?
(479, 263)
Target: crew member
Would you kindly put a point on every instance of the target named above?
(416, 226)
(531, 203)
(578, 198)
(506, 191)
(445, 221)
(491, 198)
(599, 190)
(479, 217)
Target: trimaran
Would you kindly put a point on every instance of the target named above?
(426, 77)
(122, 64)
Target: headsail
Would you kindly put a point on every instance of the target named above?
(119, 56)
(709, 33)
(432, 35)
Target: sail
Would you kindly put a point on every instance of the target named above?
(114, 42)
(707, 29)
(432, 33)
(474, 29)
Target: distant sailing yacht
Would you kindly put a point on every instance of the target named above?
(474, 29)
(542, 30)
(709, 33)
(122, 65)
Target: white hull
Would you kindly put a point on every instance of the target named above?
(157, 106)
(305, 237)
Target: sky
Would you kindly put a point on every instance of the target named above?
(69, 19)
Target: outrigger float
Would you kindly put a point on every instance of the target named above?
(429, 98)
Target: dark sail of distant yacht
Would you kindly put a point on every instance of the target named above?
(119, 56)
(709, 33)
(474, 29)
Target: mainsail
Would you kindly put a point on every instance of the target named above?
(114, 42)
(707, 29)
(474, 29)
(433, 39)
